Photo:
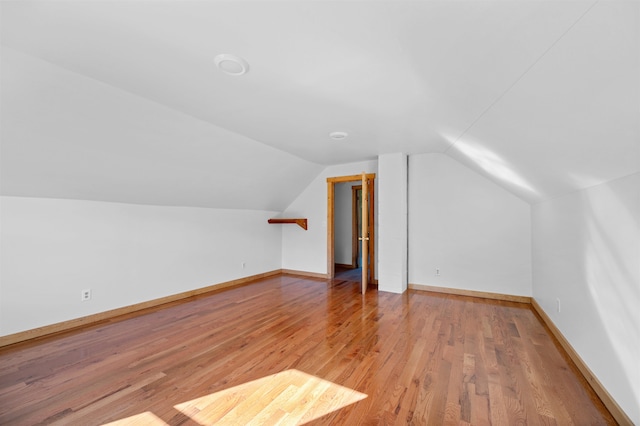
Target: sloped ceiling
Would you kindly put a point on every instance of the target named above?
(69, 136)
(122, 100)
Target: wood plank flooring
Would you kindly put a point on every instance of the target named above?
(348, 274)
(290, 350)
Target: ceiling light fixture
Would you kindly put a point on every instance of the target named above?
(338, 136)
(231, 64)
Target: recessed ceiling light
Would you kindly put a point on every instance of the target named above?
(231, 64)
(338, 136)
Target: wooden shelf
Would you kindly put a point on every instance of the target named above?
(301, 222)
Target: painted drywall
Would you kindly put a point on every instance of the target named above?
(307, 250)
(474, 232)
(53, 249)
(586, 254)
(343, 232)
(65, 135)
(392, 230)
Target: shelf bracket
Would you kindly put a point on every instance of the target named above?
(302, 223)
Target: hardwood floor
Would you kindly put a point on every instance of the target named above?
(348, 274)
(289, 350)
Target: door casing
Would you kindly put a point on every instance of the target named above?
(331, 182)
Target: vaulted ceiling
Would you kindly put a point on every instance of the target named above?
(122, 101)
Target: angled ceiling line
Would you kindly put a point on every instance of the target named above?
(552, 197)
(517, 80)
(147, 99)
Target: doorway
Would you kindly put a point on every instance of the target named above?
(356, 226)
(363, 246)
(347, 225)
(348, 231)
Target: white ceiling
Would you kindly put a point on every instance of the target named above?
(541, 96)
(68, 136)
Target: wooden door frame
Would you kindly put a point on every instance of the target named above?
(331, 192)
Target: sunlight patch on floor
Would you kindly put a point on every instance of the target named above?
(288, 397)
(147, 419)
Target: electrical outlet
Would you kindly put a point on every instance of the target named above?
(437, 272)
(243, 265)
(85, 295)
(558, 305)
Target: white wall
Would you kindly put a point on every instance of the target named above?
(307, 250)
(392, 220)
(343, 218)
(53, 248)
(476, 233)
(586, 253)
